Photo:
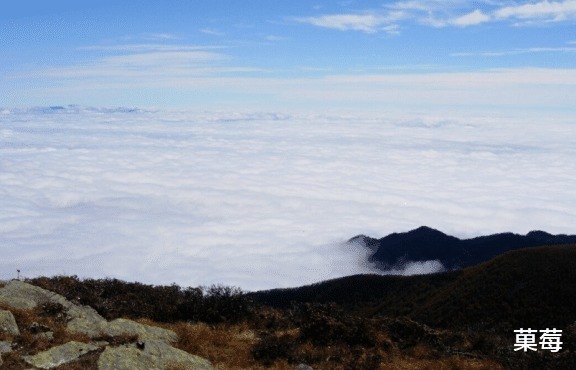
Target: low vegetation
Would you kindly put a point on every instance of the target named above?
(457, 320)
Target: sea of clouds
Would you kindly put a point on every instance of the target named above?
(263, 200)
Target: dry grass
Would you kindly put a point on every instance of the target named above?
(236, 347)
(451, 363)
(62, 336)
(322, 336)
(270, 343)
(13, 361)
(228, 345)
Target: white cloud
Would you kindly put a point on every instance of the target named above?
(179, 83)
(417, 268)
(139, 65)
(130, 48)
(211, 31)
(274, 38)
(563, 49)
(161, 59)
(160, 36)
(471, 19)
(343, 22)
(438, 14)
(369, 23)
(554, 11)
(428, 5)
(264, 200)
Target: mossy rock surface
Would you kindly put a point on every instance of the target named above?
(59, 355)
(144, 332)
(19, 294)
(156, 355)
(8, 323)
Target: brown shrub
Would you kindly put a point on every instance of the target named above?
(273, 347)
(326, 324)
(55, 311)
(61, 336)
(13, 361)
(24, 318)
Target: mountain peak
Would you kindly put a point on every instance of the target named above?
(426, 230)
(426, 244)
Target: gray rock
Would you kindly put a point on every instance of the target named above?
(82, 319)
(57, 356)
(86, 320)
(19, 294)
(155, 351)
(8, 323)
(303, 367)
(144, 332)
(49, 336)
(5, 347)
(93, 326)
(156, 355)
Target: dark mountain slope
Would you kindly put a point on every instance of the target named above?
(528, 287)
(424, 243)
(533, 287)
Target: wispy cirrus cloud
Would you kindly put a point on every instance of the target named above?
(369, 22)
(160, 36)
(212, 31)
(434, 13)
(554, 11)
(473, 18)
(563, 49)
(149, 47)
(274, 38)
(141, 63)
(521, 89)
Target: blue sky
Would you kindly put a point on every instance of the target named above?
(506, 56)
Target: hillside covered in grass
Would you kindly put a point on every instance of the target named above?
(458, 320)
(528, 287)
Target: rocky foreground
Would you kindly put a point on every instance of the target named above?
(117, 344)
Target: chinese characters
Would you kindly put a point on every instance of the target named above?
(549, 339)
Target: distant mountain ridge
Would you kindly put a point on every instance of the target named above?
(425, 244)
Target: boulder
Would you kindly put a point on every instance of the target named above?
(144, 332)
(59, 355)
(85, 319)
(82, 319)
(93, 326)
(8, 323)
(19, 294)
(155, 355)
(152, 351)
(303, 367)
